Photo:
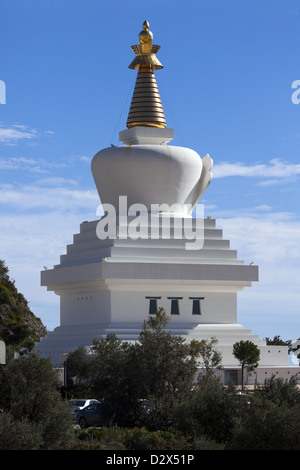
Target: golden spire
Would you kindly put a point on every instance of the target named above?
(146, 108)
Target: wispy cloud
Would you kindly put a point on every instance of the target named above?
(21, 163)
(33, 165)
(266, 237)
(14, 133)
(49, 132)
(52, 197)
(28, 242)
(271, 240)
(276, 171)
(37, 222)
(56, 181)
(85, 159)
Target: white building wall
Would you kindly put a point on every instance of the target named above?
(85, 307)
(131, 306)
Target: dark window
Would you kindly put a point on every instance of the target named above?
(175, 305)
(196, 305)
(152, 305)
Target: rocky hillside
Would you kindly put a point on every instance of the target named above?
(14, 307)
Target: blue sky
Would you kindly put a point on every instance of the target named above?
(226, 88)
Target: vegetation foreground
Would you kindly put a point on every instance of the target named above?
(151, 398)
(180, 414)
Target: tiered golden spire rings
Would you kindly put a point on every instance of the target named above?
(146, 108)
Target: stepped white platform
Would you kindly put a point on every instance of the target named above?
(105, 286)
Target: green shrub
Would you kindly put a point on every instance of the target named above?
(116, 438)
(19, 434)
(107, 438)
(142, 439)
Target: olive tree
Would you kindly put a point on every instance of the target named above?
(79, 365)
(29, 393)
(209, 357)
(159, 367)
(271, 420)
(166, 365)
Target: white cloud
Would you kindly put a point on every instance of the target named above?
(266, 237)
(278, 170)
(38, 166)
(85, 159)
(14, 133)
(56, 181)
(270, 306)
(37, 222)
(49, 132)
(54, 198)
(30, 242)
(21, 163)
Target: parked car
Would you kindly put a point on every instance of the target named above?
(90, 415)
(78, 404)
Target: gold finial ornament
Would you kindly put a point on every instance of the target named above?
(145, 36)
(146, 108)
(145, 52)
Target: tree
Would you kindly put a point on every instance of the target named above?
(209, 357)
(19, 434)
(159, 367)
(79, 365)
(271, 421)
(248, 355)
(265, 426)
(29, 393)
(211, 409)
(17, 335)
(156, 322)
(115, 380)
(280, 391)
(19, 327)
(166, 366)
(277, 341)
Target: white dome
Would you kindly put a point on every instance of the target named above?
(147, 174)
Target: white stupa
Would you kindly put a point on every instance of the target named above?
(125, 265)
